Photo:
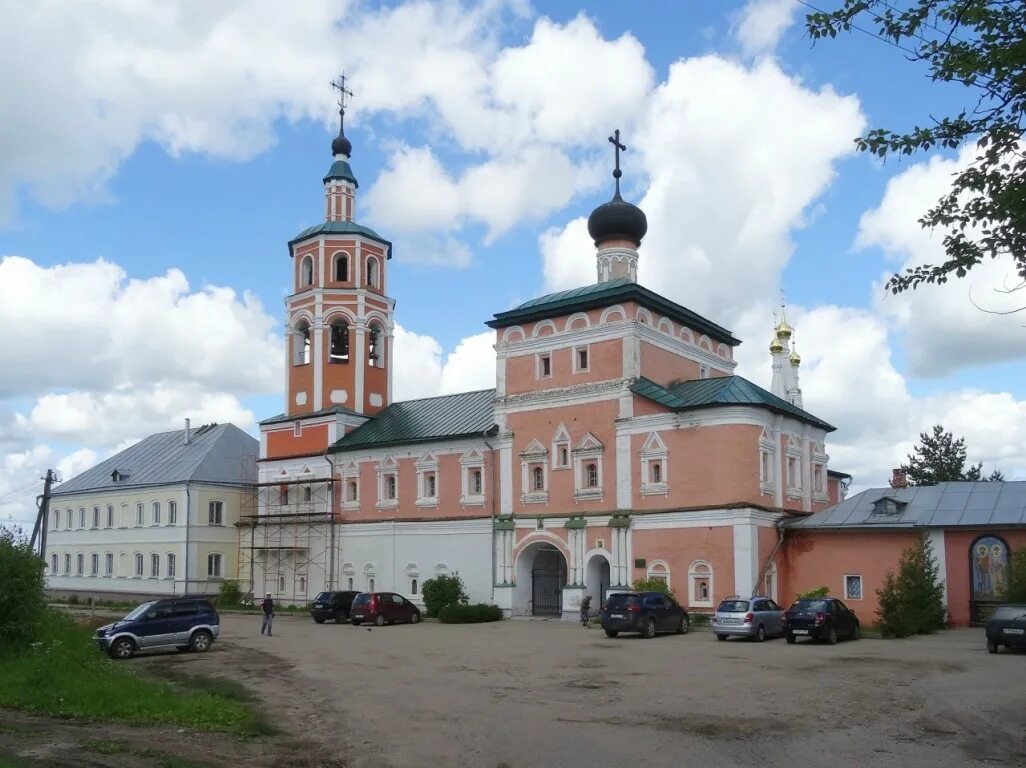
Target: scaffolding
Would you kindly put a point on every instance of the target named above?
(289, 539)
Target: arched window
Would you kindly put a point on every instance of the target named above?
(68, 514)
(372, 272)
(339, 342)
(172, 512)
(657, 472)
(349, 585)
(537, 479)
(306, 272)
(108, 564)
(281, 584)
(96, 517)
(351, 491)
(591, 476)
(156, 513)
(138, 565)
(370, 584)
(700, 584)
(56, 515)
(659, 571)
(375, 347)
(302, 585)
(53, 565)
(110, 516)
(301, 344)
(154, 566)
(170, 566)
(341, 268)
(67, 565)
(94, 565)
(413, 586)
(140, 513)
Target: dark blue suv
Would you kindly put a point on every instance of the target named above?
(179, 622)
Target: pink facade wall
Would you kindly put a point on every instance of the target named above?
(664, 367)
(680, 547)
(605, 361)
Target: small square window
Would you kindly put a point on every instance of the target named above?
(544, 366)
(852, 587)
(582, 359)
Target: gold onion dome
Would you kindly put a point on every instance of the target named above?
(784, 330)
(776, 346)
(795, 358)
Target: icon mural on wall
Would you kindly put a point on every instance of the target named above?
(990, 568)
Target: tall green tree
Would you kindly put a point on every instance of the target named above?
(940, 458)
(912, 601)
(980, 44)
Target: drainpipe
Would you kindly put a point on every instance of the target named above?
(773, 554)
(494, 486)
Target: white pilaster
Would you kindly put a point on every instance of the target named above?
(506, 478)
(359, 337)
(746, 554)
(318, 364)
(936, 538)
(623, 470)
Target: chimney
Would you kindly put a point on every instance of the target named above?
(898, 478)
(188, 432)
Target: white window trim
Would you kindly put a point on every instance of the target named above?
(108, 565)
(561, 439)
(767, 454)
(587, 350)
(172, 512)
(693, 578)
(210, 508)
(588, 449)
(137, 560)
(387, 466)
(654, 451)
(538, 365)
(350, 473)
(794, 451)
(469, 462)
(534, 454)
(170, 566)
(220, 565)
(651, 573)
(844, 587)
(426, 465)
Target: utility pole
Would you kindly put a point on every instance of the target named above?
(44, 514)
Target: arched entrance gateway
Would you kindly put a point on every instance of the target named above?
(541, 576)
(596, 580)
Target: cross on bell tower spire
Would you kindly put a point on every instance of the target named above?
(341, 145)
(617, 148)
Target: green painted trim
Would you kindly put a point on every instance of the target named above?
(576, 522)
(505, 524)
(620, 521)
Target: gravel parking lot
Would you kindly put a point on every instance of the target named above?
(544, 693)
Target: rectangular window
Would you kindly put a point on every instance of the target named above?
(110, 516)
(94, 565)
(389, 486)
(430, 488)
(138, 566)
(156, 513)
(703, 371)
(297, 429)
(56, 515)
(581, 359)
(96, 517)
(81, 517)
(214, 565)
(476, 482)
(172, 512)
(108, 564)
(67, 565)
(544, 366)
(140, 513)
(537, 479)
(154, 566)
(215, 513)
(852, 587)
(68, 519)
(80, 564)
(283, 495)
(170, 566)
(352, 491)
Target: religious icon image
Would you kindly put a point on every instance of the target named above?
(990, 568)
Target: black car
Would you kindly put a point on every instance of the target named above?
(1007, 627)
(643, 612)
(820, 618)
(186, 623)
(332, 605)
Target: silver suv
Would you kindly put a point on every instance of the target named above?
(756, 617)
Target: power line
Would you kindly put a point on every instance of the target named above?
(19, 491)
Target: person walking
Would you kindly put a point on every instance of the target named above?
(268, 606)
(585, 607)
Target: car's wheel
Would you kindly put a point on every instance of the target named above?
(357, 623)
(832, 636)
(684, 626)
(721, 637)
(611, 633)
(857, 632)
(760, 634)
(414, 617)
(379, 621)
(791, 639)
(201, 641)
(342, 617)
(650, 629)
(992, 646)
(319, 621)
(122, 648)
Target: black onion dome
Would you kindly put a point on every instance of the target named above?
(617, 220)
(340, 145)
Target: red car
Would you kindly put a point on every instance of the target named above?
(383, 608)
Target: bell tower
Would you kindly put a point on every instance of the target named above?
(339, 316)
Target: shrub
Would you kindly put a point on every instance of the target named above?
(813, 593)
(22, 601)
(442, 591)
(912, 601)
(73, 600)
(1016, 592)
(652, 585)
(229, 593)
(458, 613)
(700, 619)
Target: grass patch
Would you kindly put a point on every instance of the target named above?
(65, 675)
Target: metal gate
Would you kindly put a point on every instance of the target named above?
(547, 579)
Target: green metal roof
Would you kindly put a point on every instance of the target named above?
(281, 417)
(340, 170)
(721, 390)
(604, 294)
(418, 421)
(339, 228)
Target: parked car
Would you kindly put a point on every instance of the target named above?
(179, 622)
(754, 617)
(1007, 627)
(645, 612)
(332, 605)
(820, 618)
(383, 608)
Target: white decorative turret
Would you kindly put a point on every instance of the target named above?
(785, 362)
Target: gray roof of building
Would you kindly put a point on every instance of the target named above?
(335, 409)
(417, 421)
(944, 504)
(216, 453)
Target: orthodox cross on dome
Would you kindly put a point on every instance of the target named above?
(339, 84)
(617, 148)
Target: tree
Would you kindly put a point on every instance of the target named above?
(940, 458)
(982, 45)
(1016, 592)
(22, 602)
(441, 591)
(912, 601)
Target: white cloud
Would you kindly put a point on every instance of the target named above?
(944, 329)
(110, 330)
(761, 23)
(421, 372)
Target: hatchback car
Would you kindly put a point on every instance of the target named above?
(820, 618)
(1007, 627)
(382, 608)
(647, 613)
(754, 617)
(332, 605)
(184, 623)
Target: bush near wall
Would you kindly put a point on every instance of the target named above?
(469, 614)
(912, 600)
(811, 594)
(653, 585)
(442, 591)
(22, 601)
(1017, 576)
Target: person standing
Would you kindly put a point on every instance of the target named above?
(268, 606)
(585, 608)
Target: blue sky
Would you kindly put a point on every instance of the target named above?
(152, 167)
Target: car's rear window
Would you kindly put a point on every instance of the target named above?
(811, 605)
(616, 602)
(363, 599)
(1009, 613)
(323, 597)
(733, 606)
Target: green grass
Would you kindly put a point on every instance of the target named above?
(65, 675)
